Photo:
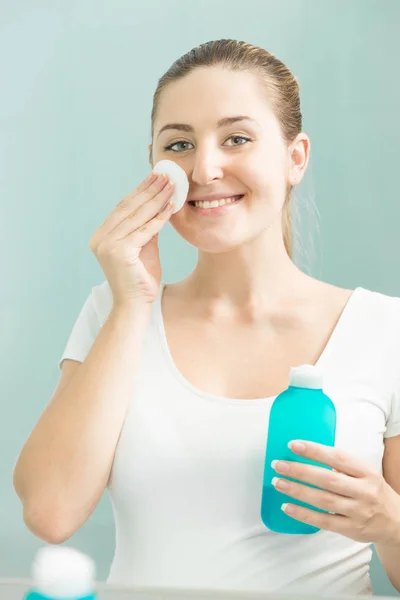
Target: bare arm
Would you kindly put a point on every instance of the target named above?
(389, 553)
(65, 464)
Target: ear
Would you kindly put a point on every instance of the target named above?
(150, 148)
(299, 154)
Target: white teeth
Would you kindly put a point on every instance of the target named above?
(215, 203)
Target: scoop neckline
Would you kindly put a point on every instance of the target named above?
(240, 402)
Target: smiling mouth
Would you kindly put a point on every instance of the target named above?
(216, 203)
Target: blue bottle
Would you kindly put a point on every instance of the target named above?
(301, 412)
(62, 573)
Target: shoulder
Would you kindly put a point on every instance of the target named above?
(381, 303)
(364, 297)
(384, 310)
(376, 319)
(375, 313)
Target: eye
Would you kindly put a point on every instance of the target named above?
(239, 137)
(179, 143)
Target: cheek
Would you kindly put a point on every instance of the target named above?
(263, 173)
(263, 182)
(253, 176)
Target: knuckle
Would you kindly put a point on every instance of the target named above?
(372, 493)
(363, 518)
(144, 228)
(160, 216)
(124, 204)
(369, 514)
(298, 471)
(330, 503)
(302, 513)
(340, 459)
(361, 529)
(332, 479)
(153, 190)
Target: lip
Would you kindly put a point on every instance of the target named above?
(211, 197)
(219, 211)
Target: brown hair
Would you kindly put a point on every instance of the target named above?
(281, 86)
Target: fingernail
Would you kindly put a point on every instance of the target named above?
(297, 446)
(281, 484)
(280, 466)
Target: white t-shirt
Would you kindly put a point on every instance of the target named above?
(187, 476)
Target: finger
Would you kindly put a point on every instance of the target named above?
(140, 237)
(333, 503)
(332, 457)
(147, 190)
(325, 521)
(137, 199)
(144, 214)
(144, 185)
(326, 479)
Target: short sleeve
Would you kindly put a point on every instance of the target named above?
(83, 333)
(393, 422)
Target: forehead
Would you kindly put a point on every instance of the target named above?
(207, 94)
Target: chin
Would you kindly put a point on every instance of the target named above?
(214, 241)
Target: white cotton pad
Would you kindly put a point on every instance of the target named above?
(63, 572)
(178, 177)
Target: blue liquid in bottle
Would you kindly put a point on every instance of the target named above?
(300, 412)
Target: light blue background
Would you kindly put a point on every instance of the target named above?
(77, 83)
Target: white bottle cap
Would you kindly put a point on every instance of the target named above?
(178, 177)
(306, 376)
(63, 572)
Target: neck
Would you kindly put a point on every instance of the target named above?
(256, 274)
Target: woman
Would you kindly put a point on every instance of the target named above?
(165, 390)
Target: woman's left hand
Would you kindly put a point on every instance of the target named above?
(366, 508)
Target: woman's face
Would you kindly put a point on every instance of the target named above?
(246, 157)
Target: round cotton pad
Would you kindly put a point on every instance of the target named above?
(178, 177)
(63, 572)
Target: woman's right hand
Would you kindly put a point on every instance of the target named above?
(126, 244)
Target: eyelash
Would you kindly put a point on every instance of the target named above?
(242, 137)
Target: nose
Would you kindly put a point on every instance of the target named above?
(207, 167)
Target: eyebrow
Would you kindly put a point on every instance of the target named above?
(221, 123)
